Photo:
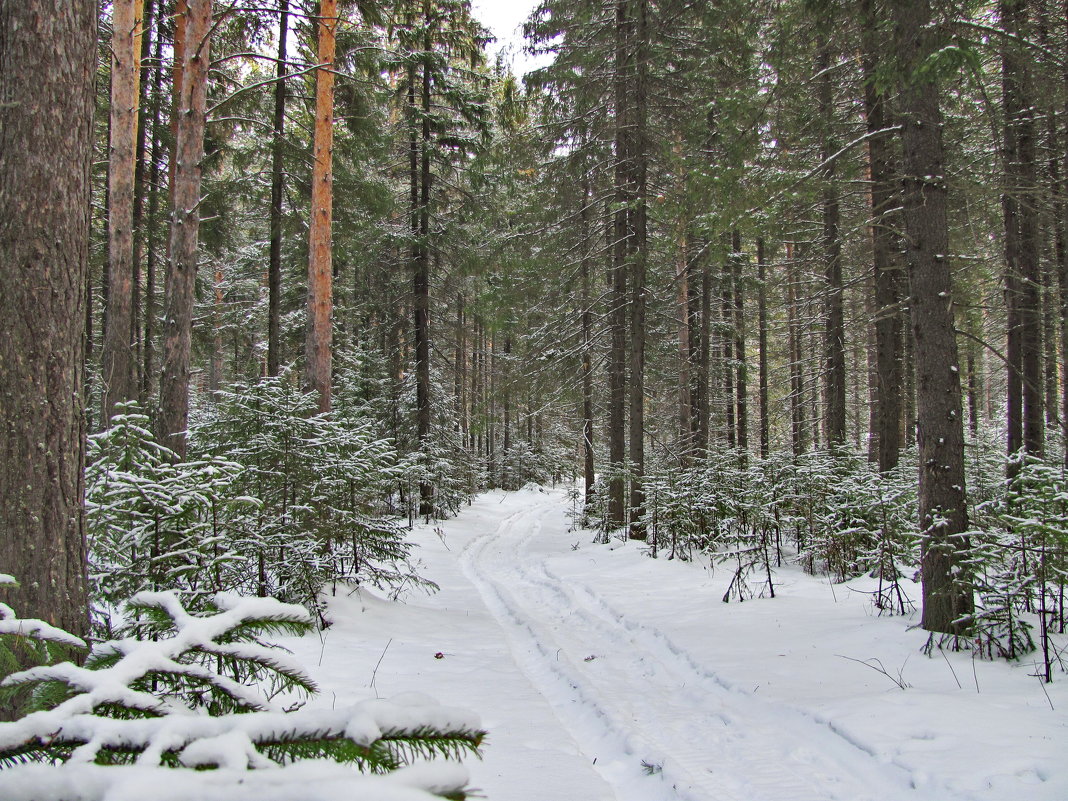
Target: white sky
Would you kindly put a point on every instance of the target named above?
(505, 20)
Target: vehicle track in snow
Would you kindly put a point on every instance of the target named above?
(629, 695)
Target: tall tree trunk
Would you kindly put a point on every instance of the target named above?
(181, 28)
(118, 360)
(185, 229)
(1021, 239)
(727, 343)
(885, 244)
(46, 136)
(421, 283)
(215, 367)
(274, 265)
(947, 595)
(798, 431)
(682, 274)
(141, 185)
(639, 249)
(460, 369)
(739, 343)
(1061, 241)
(318, 343)
(506, 398)
(148, 370)
(834, 367)
(617, 314)
(762, 335)
(588, 476)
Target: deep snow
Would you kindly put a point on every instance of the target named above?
(602, 674)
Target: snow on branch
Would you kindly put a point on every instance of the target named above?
(312, 780)
(193, 691)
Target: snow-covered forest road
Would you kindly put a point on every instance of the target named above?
(603, 675)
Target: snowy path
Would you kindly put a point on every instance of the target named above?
(630, 691)
(586, 661)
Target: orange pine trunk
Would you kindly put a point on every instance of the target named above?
(118, 360)
(317, 345)
(185, 229)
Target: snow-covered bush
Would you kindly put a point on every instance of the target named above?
(1019, 561)
(321, 481)
(203, 692)
(153, 521)
(831, 513)
(28, 641)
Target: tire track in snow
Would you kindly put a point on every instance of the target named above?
(629, 695)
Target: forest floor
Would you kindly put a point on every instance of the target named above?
(604, 675)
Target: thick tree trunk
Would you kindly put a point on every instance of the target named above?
(118, 359)
(947, 595)
(274, 264)
(318, 343)
(185, 229)
(47, 70)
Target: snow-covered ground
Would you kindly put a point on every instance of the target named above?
(603, 675)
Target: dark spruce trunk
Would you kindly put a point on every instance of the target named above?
(947, 594)
(274, 262)
(834, 361)
(885, 245)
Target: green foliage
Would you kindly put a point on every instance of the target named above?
(153, 521)
(273, 500)
(322, 482)
(196, 690)
(29, 642)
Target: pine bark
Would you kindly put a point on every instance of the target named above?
(947, 596)
(118, 356)
(318, 342)
(47, 71)
(148, 369)
(185, 229)
(142, 187)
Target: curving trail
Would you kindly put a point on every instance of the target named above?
(628, 694)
